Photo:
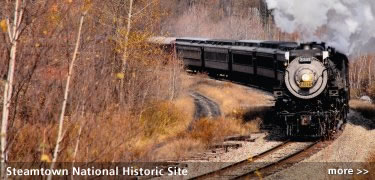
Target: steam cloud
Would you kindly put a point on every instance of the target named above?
(347, 25)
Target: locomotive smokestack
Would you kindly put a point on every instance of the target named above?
(306, 47)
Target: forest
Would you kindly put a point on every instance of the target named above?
(80, 83)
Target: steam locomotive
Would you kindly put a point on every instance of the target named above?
(309, 80)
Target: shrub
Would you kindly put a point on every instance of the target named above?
(160, 117)
(212, 130)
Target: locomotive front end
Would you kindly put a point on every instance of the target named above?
(305, 101)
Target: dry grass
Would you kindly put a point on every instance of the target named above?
(205, 132)
(110, 136)
(231, 97)
(186, 105)
(248, 114)
(366, 109)
(214, 130)
(98, 147)
(179, 148)
(159, 117)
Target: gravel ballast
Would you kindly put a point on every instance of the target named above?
(349, 150)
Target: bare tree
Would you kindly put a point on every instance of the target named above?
(78, 140)
(14, 32)
(125, 53)
(369, 70)
(66, 93)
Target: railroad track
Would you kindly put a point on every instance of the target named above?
(269, 162)
(204, 107)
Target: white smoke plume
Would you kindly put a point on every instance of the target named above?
(347, 25)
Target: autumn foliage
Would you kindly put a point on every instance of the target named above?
(45, 49)
(126, 96)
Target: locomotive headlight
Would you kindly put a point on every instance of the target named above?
(307, 77)
(306, 80)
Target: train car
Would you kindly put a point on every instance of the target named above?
(166, 43)
(217, 59)
(271, 62)
(243, 60)
(190, 50)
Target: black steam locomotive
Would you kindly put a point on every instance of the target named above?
(309, 81)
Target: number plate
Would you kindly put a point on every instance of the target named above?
(307, 84)
(305, 60)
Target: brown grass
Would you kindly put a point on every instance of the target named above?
(179, 149)
(366, 109)
(186, 105)
(231, 97)
(213, 130)
(99, 146)
(159, 117)
(248, 114)
(108, 136)
(205, 132)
